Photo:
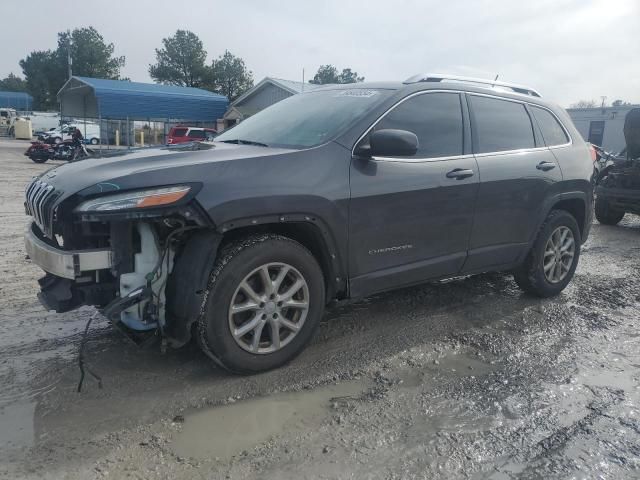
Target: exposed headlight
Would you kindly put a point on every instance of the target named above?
(136, 199)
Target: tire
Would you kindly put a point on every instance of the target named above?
(605, 214)
(244, 261)
(94, 141)
(39, 159)
(57, 140)
(531, 276)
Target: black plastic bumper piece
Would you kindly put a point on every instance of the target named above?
(62, 294)
(57, 294)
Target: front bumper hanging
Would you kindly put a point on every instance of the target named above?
(64, 263)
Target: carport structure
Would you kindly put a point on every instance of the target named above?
(106, 100)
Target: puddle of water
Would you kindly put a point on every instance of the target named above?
(227, 430)
(451, 365)
(16, 425)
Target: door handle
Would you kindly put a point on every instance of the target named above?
(460, 173)
(544, 166)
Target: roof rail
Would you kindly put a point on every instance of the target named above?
(439, 77)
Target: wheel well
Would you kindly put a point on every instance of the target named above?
(575, 207)
(308, 235)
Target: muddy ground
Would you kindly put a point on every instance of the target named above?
(464, 379)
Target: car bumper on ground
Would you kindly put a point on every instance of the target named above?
(64, 263)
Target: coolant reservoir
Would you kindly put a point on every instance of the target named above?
(144, 263)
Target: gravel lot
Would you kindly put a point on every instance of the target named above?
(462, 379)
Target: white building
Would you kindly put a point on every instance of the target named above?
(601, 126)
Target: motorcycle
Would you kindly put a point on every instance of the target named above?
(40, 152)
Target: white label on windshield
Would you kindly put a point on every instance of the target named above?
(357, 92)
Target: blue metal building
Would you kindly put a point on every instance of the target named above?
(120, 99)
(18, 100)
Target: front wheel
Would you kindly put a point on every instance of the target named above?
(265, 299)
(552, 261)
(605, 214)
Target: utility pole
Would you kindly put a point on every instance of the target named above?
(303, 80)
(69, 70)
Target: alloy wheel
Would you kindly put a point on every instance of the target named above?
(268, 308)
(559, 253)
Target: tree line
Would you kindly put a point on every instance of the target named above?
(594, 104)
(181, 60)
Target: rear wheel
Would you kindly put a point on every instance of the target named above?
(265, 299)
(39, 159)
(553, 259)
(94, 141)
(605, 214)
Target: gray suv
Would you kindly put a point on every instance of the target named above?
(337, 193)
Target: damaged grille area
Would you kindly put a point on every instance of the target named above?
(40, 197)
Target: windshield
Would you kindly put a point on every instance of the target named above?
(305, 120)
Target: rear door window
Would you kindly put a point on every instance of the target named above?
(178, 132)
(435, 118)
(196, 134)
(552, 131)
(501, 125)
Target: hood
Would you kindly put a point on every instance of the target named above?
(148, 167)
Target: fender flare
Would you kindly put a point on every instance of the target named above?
(553, 200)
(337, 276)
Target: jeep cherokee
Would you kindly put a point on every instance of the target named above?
(337, 193)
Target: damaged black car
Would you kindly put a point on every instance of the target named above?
(618, 190)
(338, 193)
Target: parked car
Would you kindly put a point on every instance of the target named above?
(44, 134)
(90, 132)
(182, 134)
(337, 193)
(618, 191)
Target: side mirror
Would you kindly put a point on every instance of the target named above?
(393, 143)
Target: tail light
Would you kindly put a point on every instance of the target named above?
(594, 154)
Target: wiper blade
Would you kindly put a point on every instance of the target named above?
(239, 141)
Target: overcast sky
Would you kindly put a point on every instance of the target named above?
(567, 49)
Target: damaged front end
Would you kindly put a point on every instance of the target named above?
(619, 188)
(119, 253)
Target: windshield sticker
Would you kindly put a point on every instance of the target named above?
(357, 92)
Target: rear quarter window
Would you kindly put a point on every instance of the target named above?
(196, 134)
(552, 131)
(501, 125)
(178, 132)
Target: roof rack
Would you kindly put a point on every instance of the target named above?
(439, 77)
